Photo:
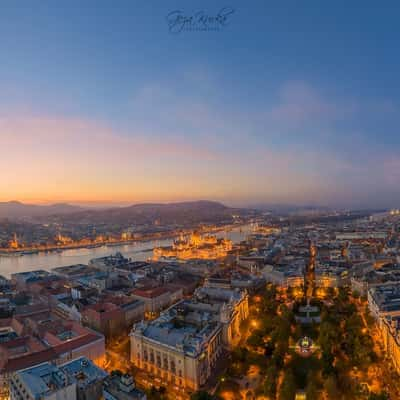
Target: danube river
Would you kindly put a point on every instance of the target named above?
(137, 251)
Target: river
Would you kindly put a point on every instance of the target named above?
(137, 251)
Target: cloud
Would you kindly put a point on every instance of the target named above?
(74, 135)
(391, 170)
(299, 105)
(55, 157)
(176, 145)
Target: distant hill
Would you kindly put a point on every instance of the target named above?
(16, 209)
(171, 213)
(291, 208)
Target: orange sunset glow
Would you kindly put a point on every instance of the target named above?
(46, 160)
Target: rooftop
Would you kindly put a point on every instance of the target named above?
(42, 379)
(178, 328)
(387, 297)
(150, 293)
(83, 371)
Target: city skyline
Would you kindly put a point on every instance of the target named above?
(283, 104)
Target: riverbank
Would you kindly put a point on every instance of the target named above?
(145, 238)
(138, 250)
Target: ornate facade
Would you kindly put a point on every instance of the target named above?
(195, 246)
(390, 330)
(177, 349)
(182, 346)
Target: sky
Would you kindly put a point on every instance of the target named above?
(282, 102)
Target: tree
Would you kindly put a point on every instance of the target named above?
(201, 395)
(271, 376)
(364, 298)
(240, 354)
(279, 354)
(329, 337)
(288, 387)
(378, 396)
(353, 323)
(344, 381)
(369, 318)
(154, 394)
(267, 324)
(281, 332)
(255, 339)
(356, 294)
(330, 292)
(331, 388)
(162, 389)
(312, 392)
(298, 332)
(343, 295)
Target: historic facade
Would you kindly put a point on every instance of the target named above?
(195, 246)
(182, 346)
(177, 348)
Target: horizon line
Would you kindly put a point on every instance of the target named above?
(227, 203)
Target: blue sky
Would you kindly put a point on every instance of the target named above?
(290, 102)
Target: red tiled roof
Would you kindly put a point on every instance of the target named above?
(27, 360)
(32, 309)
(103, 307)
(150, 293)
(5, 322)
(35, 354)
(33, 345)
(174, 287)
(76, 343)
(19, 341)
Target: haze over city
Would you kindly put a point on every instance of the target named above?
(199, 200)
(111, 107)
